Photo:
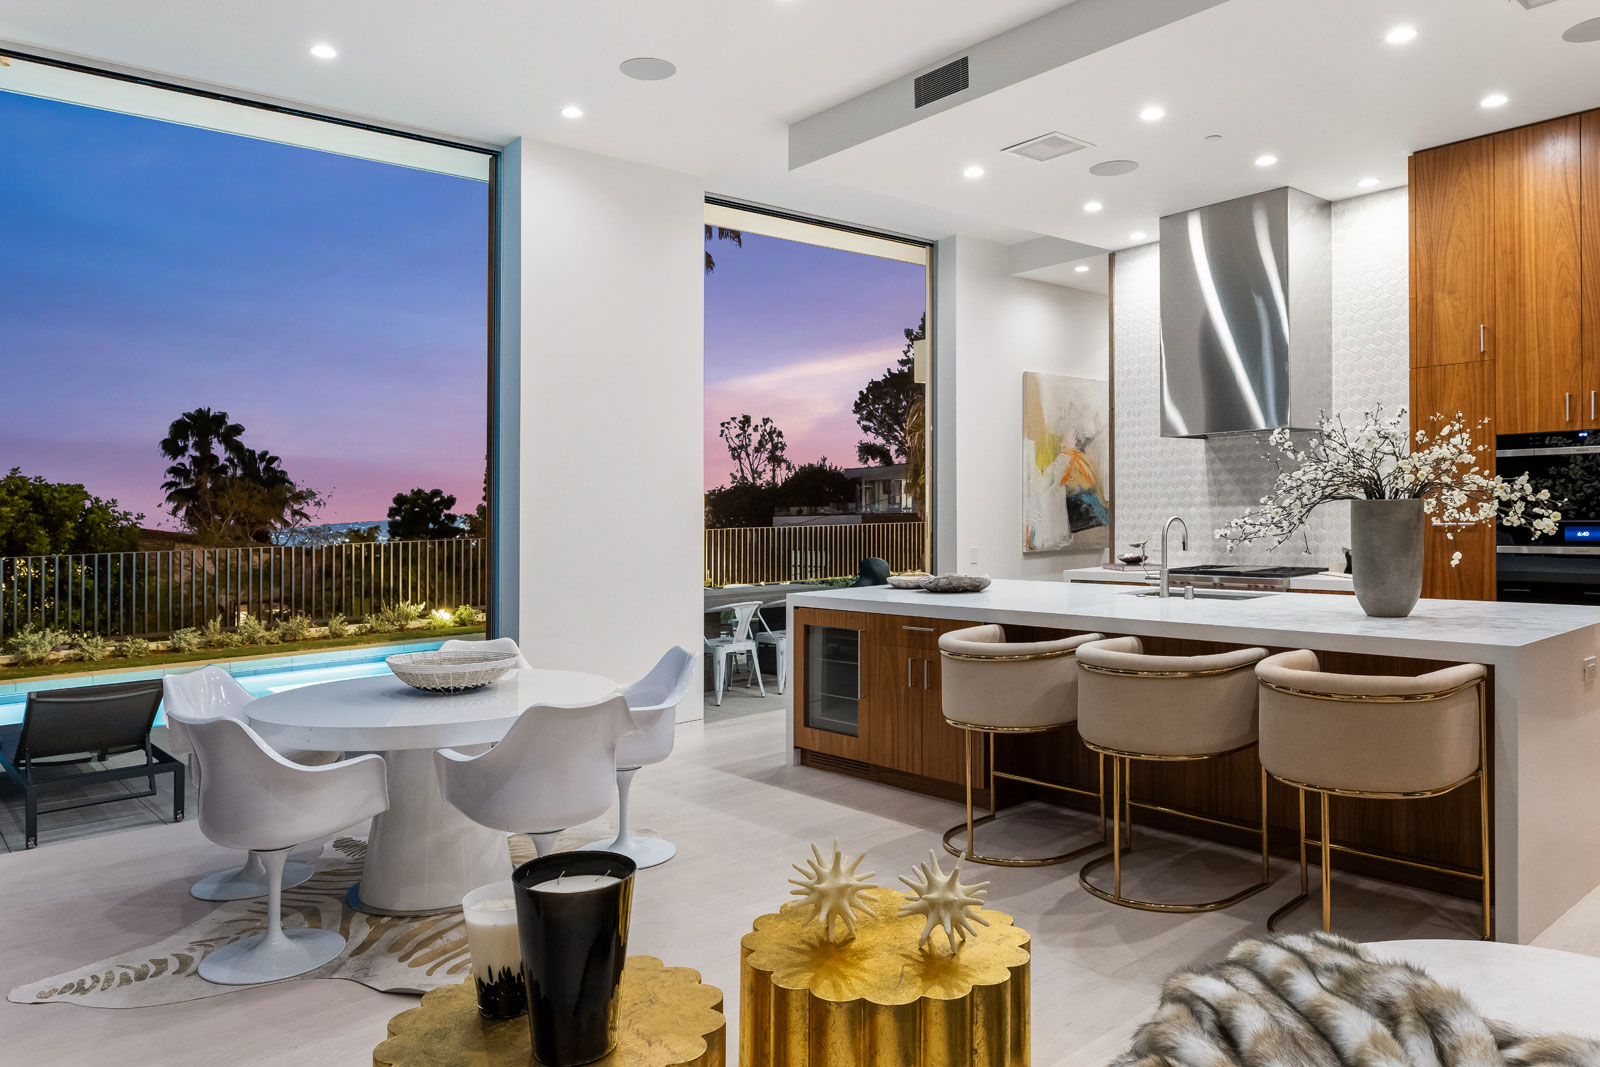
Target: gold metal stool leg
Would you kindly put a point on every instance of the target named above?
(1327, 872)
(1305, 878)
(971, 853)
(1122, 805)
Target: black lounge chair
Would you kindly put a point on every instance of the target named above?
(63, 728)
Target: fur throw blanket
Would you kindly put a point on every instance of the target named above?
(1308, 1000)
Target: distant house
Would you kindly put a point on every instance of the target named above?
(880, 496)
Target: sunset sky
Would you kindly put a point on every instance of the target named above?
(793, 331)
(334, 306)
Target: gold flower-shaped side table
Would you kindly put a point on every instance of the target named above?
(876, 999)
(667, 1018)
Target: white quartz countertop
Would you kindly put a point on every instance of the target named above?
(1323, 583)
(1465, 631)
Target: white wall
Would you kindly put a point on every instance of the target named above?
(1208, 482)
(991, 328)
(611, 356)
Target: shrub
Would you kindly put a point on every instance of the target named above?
(32, 645)
(379, 623)
(252, 631)
(388, 620)
(295, 628)
(465, 615)
(215, 636)
(184, 640)
(90, 648)
(132, 647)
(338, 626)
(410, 612)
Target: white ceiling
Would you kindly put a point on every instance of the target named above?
(492, 70)
(1309, 80)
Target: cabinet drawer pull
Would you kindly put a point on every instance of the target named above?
(1569, 407)
(1591, 405)
(1482, 345)
(908, 672)
(919, 629)
(924, 674)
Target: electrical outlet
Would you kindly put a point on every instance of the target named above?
(972, 555)
(1591, 667)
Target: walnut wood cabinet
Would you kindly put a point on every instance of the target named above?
(1505, 300)
(867, 696)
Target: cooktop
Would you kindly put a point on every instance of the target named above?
(1233, 570)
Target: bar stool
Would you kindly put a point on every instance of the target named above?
(993, 686)
(1379, 737)
(1166, 709)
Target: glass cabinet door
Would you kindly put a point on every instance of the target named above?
(833, 679)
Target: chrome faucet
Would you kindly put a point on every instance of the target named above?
(1183, 544)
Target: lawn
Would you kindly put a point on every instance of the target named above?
(162, 659)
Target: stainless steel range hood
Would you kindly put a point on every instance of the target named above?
(1246, 315)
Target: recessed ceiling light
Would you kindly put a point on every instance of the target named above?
(1081, 268)
(647, 68)
(1153, 113)
(1137, 235)
(1494, 100)
(324, 51)
(1213, 136)
(1114, 168)
(572, 111)
(1266, 160)
(1092, 206)
(1401, 35)
(974, 171)
(1368, 183)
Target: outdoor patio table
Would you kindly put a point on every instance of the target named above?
(422, 855)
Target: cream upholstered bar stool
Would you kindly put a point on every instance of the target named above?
(1133, 706)
(993, 686)
(1378, 737)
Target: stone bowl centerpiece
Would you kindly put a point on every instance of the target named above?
(957, 583)
(451, 672)
(909, 581)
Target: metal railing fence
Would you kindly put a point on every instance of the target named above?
(149, 594)
(761, 554)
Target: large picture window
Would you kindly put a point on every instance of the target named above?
(816, 400)
(245, 361)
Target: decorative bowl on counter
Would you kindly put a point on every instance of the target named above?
(450, 672)
(909, 581)
(957, 583)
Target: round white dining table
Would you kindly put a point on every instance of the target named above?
(422, 854)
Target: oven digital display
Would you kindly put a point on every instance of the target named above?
(1581, 533)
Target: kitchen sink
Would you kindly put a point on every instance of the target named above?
(1208, 594)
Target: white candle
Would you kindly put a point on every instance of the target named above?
(491, 918)
(574, 883)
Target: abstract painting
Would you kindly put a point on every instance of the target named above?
(1066, 449)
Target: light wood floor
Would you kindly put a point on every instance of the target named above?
(740, 816)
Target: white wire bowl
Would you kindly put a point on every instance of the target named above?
(450, 672)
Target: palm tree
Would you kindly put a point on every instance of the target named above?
(192, 443)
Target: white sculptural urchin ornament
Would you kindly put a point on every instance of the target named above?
(945, 901)
(832, 889)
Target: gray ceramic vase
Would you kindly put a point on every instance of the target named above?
(1386, 555)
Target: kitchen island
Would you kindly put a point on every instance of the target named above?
(864, 700)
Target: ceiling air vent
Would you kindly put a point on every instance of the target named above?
(1048, 146)
(942, 82)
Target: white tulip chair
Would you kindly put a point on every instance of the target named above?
(213, 693)
(252, 798)
(552, 770)
(654, 701)
(498, 644)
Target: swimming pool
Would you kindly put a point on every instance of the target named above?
(258, 678)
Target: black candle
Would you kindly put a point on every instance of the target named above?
(572, 919)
